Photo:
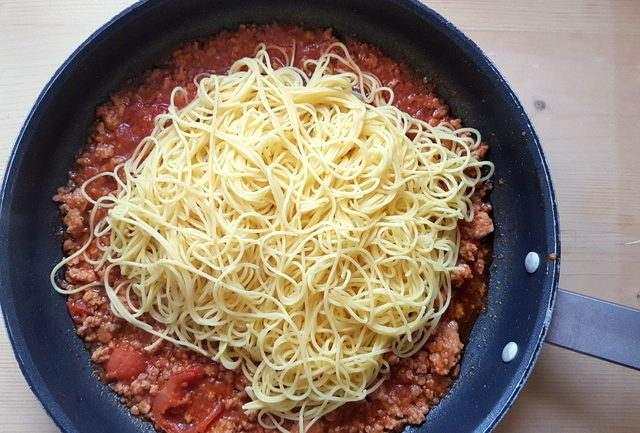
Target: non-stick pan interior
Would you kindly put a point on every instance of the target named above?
(53, 358)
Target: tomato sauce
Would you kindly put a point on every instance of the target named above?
(184, 392)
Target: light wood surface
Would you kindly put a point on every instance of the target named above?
(575, 65)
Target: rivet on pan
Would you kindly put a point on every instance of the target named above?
(509, 352)
(531, 262)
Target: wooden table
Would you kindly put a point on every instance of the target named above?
(575, 64)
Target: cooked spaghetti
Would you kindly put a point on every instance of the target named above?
(292, 223)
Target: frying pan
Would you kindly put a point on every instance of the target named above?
(520, 303)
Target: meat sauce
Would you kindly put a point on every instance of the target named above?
(184, 392)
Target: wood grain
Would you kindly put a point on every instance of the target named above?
(574, 64)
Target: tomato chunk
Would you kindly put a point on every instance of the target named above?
(125, 363)
(184, 403)
(78, 311)
(174, 392)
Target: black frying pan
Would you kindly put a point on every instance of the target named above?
(54, 360)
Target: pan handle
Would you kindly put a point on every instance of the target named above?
(596, 328)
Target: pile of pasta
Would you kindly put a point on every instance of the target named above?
(291, 223)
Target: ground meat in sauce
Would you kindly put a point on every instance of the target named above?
(179, 388)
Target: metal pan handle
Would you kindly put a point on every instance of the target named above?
(597, 328)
